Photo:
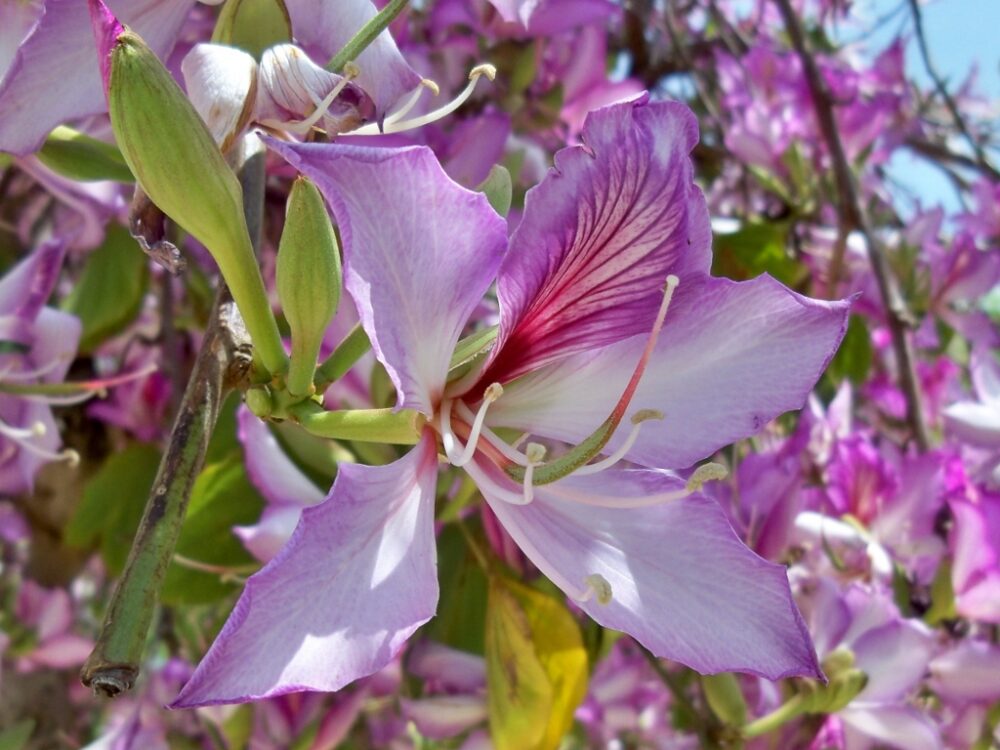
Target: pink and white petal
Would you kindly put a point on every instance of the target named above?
(975, 423)
(731, 357)
(356, 579)
(269, 468)
(599, 236)
(272, 531)
(416, 273)
(55, 77)
(18, 20)
(442, 717)
(899, 727)
(62, 651)
(895, 658)
(968, 671)
(25, 289)
(323, 28)
(220, 81)
(681, 582)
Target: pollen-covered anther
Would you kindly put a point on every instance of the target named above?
(709, 472)
(597, 587)
(643, 415)
(394, 123)
(451, 444)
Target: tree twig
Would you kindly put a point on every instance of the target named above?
(222, 364)
(852, 216)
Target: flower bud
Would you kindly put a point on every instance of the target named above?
(179, 166)
(308, 280)
(253, 25)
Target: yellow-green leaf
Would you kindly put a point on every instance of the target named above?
(536, 667)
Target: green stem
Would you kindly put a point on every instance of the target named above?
(363, 425)
(343, 358)
(774, 720)
(224, 359)
(368, 33)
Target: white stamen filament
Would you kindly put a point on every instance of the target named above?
(490, 488)
(398, 126)
(68, 400)
(22, 433)
(491, 394)
(643, 415)
(509, 451)
(535, 454)
(323, 105)
(425, 85)
(11, 374)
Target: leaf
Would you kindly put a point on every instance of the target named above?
(536, 667)
(754, 249)
(942, 596)
(17, 736)
(461, 618)
(853, 359)
(498, 189)
(109, 294)
(222, 497)
(112, 505)
(80, 157)
(722, 691)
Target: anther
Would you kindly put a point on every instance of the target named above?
(398, 126)
(643, 415)
(351, 71)
(535, 453)
(600, 587)
(706, 473)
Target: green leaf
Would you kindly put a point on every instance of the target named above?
(79, 157)
(942, 596)
(461, 618)
(222, 497)
(498, 189)
(109, 294)
(113, 501)
(754, 249)
(536, 667)
(17, 736)
(853, 359)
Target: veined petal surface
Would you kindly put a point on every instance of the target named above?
(731, 357)
(681, 582)
(356, 579)
(600, 234)
(55, 76)
(221, 82)
(324, 27)
(416, 272)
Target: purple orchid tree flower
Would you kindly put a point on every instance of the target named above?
(37, 345)
(581, 303)
(58, 57)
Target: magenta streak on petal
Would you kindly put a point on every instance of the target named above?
(599, 235)
(107, 29)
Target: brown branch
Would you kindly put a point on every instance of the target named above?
(852, 216)
(938, 152)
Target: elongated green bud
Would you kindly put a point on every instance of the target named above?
(309, 280)
(179, 166)
(253, 25)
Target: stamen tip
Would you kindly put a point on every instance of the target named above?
(431, 86)
(645, 415)
(351, 70)
(672, 282)
(492, 392)
(706, 473)
(38, 429)
(484, 69)
(535, 452)
(71, 457)
(600, 586)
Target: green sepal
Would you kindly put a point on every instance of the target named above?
(401, 427)
(724, 697)
(498, 189)
(253, 25)
(179, 166)
(80, 157)
(309, 280)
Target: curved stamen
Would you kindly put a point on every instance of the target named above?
(323, 105)
(425, 84)
(397, 126)
(69, 454)
(21, 433)
(10, 373)
(535, 454)
(488, 487)
(70, 400)
(705, 473)
(709, 472)
(508, 450)
(491, 394)
(643, 415)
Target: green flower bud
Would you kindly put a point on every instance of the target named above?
(253, 25)
(308, 279)
(179, 166)
(722, 691)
